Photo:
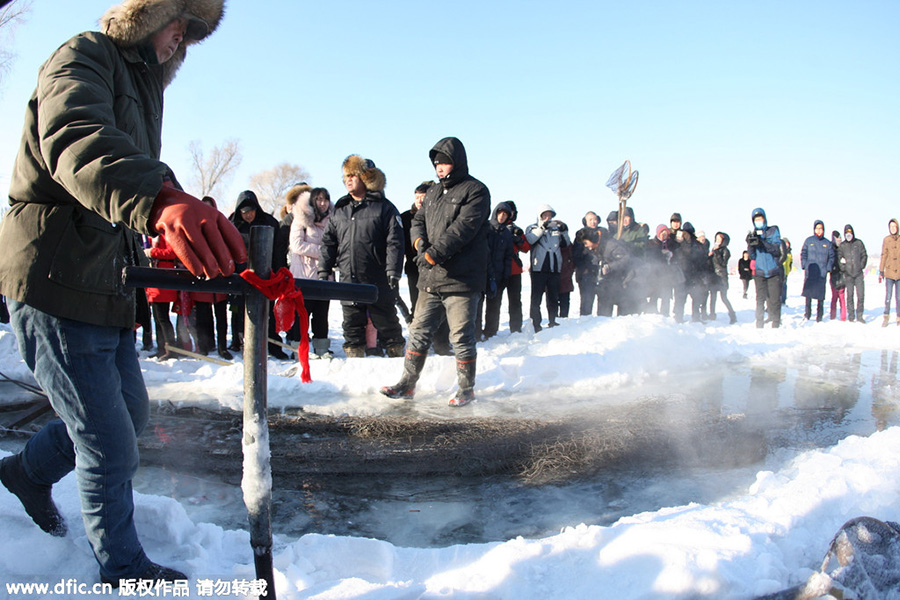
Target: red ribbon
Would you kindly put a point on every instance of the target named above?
(281, 288)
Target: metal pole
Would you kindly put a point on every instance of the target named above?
(180, 279)
(257, 478)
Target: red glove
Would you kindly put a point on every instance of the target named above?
(202, 237)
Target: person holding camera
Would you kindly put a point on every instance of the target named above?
(546, 237)
(766, 248)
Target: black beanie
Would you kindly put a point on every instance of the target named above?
(675, 217)
(442, 159)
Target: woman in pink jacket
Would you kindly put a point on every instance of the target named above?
(311, 214)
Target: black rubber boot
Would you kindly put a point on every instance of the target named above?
(465, 375)
(154, 572)
(412, 367)
(36, 498)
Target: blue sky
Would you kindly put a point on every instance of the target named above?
(722, 106)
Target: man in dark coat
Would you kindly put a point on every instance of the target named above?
(853, 258)
(247, 214)
(86, 180)
(364, 241)
(409, 266)
(816, 260)
(586, 272)
(720, 255)
(744, 271)
(450, 236)
(500, 260)
(615, 268)
(693, 259)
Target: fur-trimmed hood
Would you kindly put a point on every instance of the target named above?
(305, 212)
(366, 170)
(131, 23)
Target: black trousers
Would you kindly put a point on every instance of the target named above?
(206, 341)
(514, 299)
(587, 290)
(855, 286)
(384, 317)
(543, 282)
(165, 332)
(768, 298)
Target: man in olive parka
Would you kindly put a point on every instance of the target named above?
(87, 179)
(449, 234)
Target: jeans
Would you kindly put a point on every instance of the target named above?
(892, 288)
(92, 377)
(461, 311)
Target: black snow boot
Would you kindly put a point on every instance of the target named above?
(412, 367)
(465, 375)
(36, 498)
(154, 572)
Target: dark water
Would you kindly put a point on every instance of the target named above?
(809, 404)
(787, 408)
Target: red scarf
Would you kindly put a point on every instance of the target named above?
(288, 298)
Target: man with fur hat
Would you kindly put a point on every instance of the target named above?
(364, 241)
(86, 183)
(449, 234)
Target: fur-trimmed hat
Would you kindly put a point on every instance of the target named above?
(366, 170)
(132, 22)
(293, 194)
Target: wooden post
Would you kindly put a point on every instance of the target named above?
(257, 478)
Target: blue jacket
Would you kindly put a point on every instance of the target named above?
(816, 259)
(769, 252)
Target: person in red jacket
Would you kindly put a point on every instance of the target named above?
(161, 301)
(206, 305)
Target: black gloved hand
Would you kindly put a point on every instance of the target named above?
(754, 239)
(423, 262)
(394, 284)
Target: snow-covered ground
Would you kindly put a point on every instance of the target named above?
(771, 535)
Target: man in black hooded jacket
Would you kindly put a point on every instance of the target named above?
(853, 258)
(449, 234)
(248, 213)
